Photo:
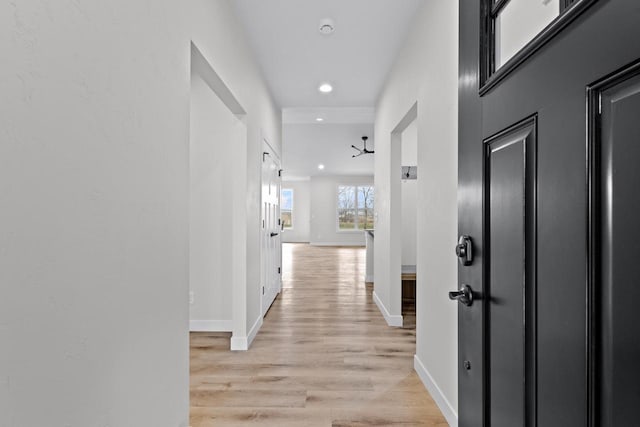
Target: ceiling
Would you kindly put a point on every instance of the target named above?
(308, 145)
(296, 58)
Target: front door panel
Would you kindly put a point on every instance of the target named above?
(618, 248)
(510, 179)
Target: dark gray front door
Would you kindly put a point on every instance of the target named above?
(616, 246)
(549, 176)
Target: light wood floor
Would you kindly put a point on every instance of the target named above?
(324, 356)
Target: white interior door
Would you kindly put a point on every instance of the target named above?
(271, 247)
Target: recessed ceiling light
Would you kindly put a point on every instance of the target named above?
(321, 167)
(326, 27)
(325, 88)
(319, 119)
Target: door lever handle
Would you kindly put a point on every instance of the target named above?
(464, 296)
(274, 234)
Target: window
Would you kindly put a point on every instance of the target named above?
(512, 30)
(355, 207)
(286, 208)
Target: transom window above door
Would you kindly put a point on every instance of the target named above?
(512, 30)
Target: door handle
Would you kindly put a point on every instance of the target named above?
(464, 296)
(274, 234)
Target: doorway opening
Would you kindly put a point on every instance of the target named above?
(403, 213)
(408, 196)
(217, 206)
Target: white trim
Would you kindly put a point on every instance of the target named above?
(441, 400)
(361, 245)
(368, 279)
(392, 320)
(295, 178)
(329, 114)
(254, 329)
(243, 343)
(239, 343)
(210, 325)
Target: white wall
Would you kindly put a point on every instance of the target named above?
(409, 157)
(94, 197)
(409, 222)
(426, 71)
(301, 231)
(215, 30)
(324, 202)
(215, 134)
(94, 187)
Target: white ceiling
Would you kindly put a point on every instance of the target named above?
(308, 145)
(328, 115)
(355, 59)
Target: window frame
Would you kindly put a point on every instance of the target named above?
(489, 11)
(282, 190)
(357, 208)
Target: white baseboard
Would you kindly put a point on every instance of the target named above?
(254, 330)
(239, 343)
(368, 279)
(337, 244)
(392, 320)
(243, 343)
(443, 403)
(210, 325)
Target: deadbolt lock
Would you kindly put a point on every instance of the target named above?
(464, 250)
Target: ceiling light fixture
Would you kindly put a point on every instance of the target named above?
(319, 119)
(326, 27)
(321, 167)
(325, 88)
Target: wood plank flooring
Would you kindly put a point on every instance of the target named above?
(324, 356)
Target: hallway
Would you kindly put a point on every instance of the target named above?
(324, 356)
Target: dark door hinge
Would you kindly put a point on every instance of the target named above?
(278, 270)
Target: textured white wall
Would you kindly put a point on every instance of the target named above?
(94, 198)
(94, 187)
(426, 71)
(409, 211)
(324, 203)
(301, 212)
